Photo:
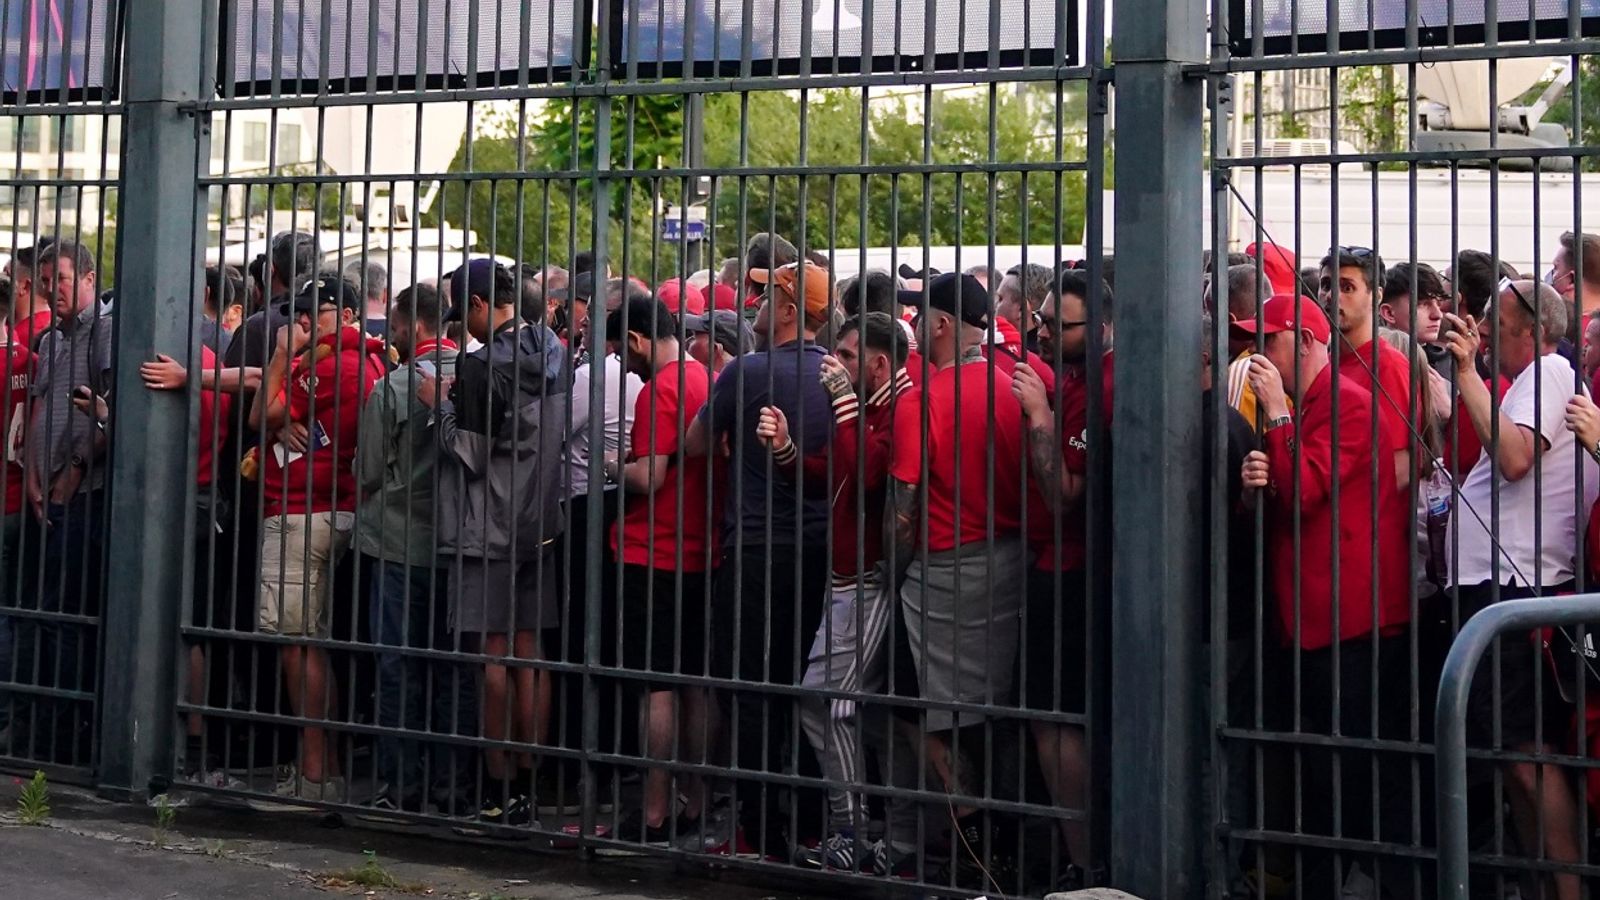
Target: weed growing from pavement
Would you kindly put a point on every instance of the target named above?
(166, 815)
(216, 849)
(372, 874)
(33, 804)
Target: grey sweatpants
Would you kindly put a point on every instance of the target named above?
(848, 656)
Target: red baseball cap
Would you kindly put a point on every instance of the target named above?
(1278, 314)
(678, 300)
(720, 296)
(1278, 265)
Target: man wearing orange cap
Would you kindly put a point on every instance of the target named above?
(769, 589)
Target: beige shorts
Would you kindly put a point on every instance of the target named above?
(298, 554)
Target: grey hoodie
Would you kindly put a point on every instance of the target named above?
(502, 435)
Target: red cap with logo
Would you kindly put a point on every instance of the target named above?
(1279, 312)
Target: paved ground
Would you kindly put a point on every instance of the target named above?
(91, 849)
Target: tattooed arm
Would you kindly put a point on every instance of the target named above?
(901, 514)
(1060, 486)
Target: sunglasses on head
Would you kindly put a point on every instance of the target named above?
(1357, 252)
(1507, 284)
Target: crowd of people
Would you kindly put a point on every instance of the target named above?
(844, 531)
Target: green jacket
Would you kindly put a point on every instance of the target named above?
(396, 456)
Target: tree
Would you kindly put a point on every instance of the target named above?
(531, 193)
(1587, 85)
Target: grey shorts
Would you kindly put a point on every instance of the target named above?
(962, 620)
(498, 596)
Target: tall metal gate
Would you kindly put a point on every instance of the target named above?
(328, 581)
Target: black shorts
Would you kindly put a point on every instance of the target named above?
(662, 621)
(1053, 665)
(1529, 702)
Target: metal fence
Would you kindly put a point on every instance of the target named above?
(480, 451)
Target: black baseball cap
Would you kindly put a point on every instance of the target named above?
(920, 274)
(473, 278)
(326, 289)
(726, 327)
(955, 293)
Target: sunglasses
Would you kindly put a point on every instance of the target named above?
(1507, 284)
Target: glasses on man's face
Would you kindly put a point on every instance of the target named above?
(1061, 326)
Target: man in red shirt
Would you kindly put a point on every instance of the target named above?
(1352, 282)
(1323, 507)
(666, 555)
(18, 364)
(962, 588)
(1058, 629)
(30, 310)
(867, 381)
(321, 371)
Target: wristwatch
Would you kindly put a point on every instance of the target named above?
(1594, 451)
(1278, 422)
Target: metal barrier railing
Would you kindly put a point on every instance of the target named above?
(1475, 639)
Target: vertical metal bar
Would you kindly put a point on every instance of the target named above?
(149, 566)
(1156, 824)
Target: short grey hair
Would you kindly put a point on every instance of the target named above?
(1544, 298)
(1242, 279)
(371, 278)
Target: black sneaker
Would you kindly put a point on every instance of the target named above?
(514, 811)
(387, 808)
(972, 871)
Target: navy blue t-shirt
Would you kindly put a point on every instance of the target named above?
(787, 377)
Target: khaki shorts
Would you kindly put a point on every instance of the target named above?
(298, 554)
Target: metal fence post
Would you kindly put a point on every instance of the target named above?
(1157, 825)
(152, 470)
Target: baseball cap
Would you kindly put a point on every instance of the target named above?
(720, 296)
(927, 274)
(729, 329)
(679, 299)
(326, 289)
(1278, 314)
(955, 293)
(787, 279)
(473, 278)
(1278, 265)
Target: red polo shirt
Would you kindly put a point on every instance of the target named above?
(325, 388)
(650, 532)
(13, 418)
(1075, 439)
(1319, 548)
(961, 450)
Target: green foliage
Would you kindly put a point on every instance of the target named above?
(33, 803)
(1586, 84)
(166, 817)
(1373, 106)
(329, 200)
(547, 216)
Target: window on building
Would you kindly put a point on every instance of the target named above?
(288, 143)
(31, 134)
(255, 142)
(70, 130)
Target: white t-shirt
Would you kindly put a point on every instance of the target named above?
(1545, 493)
(619, 417)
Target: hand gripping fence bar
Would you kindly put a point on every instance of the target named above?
(1450, 716)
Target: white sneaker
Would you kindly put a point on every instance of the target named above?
(296, 790)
